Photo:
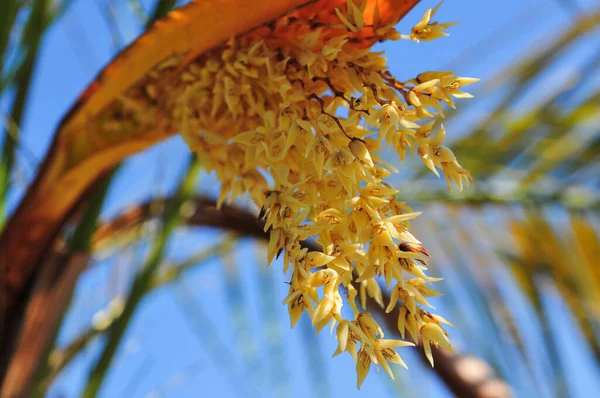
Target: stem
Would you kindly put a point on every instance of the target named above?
(141, 282)
(32, 37)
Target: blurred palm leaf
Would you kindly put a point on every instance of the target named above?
(538, 168)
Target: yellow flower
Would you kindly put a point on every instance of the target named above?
(434, 154)
(379, 352)
(296, 115)
(346, 340)
(359, 149)
(384, 352)
(369, 326)
(353, 18)
(298, 301)
(370, 288)
(443, 86)
(433, 333)
(408, 321)
(426, 30)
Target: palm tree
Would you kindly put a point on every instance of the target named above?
(517, 249)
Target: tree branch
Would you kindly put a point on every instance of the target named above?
(45, 308)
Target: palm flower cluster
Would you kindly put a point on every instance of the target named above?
(295, 114)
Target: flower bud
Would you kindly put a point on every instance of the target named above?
(359, 149)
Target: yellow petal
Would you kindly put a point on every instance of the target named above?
(435, 333)
(363, 365)
(342, 334)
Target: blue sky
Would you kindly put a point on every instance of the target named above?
(169, 353)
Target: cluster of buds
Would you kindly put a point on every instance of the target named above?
(295, 115)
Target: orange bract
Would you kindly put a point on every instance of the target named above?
(390, 11)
